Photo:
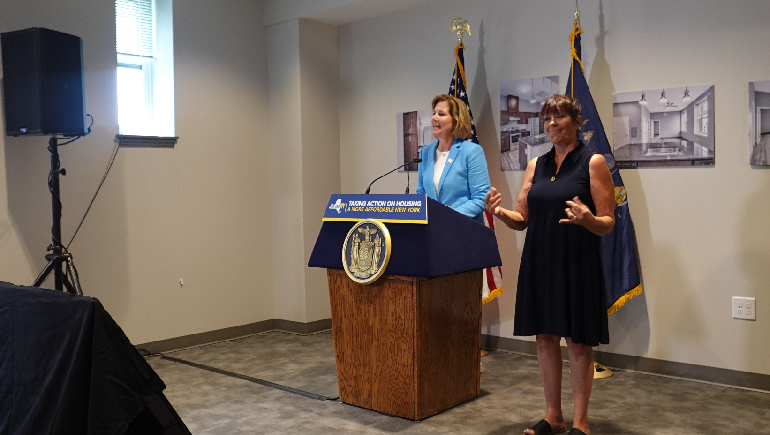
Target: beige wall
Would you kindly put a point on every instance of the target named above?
(199, 211)
(221, 100)
(285, 118)
(319, 82)
(701, 231)
(304, 142)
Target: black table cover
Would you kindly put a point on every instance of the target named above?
(66, 367)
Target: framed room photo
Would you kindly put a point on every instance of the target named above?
(413, 131)
(522, 137)
(664, 127)
(759, 123)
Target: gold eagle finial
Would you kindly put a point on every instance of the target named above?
(460, 26)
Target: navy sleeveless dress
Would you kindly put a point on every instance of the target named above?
(561, 282)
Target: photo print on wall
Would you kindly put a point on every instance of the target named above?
(413, 131)
(759, 123)
(664, 127)
(522, 137)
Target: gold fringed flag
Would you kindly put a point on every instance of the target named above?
(621, 266)
(457, 86)
(493, 277)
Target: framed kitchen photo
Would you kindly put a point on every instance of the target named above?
(413, 131)
(664, 127)
(759, 123)
(522, 137)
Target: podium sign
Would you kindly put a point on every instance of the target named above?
(407, 209)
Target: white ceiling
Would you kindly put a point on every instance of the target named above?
(335, 12)
(673, 95)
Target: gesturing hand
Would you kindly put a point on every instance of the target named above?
(577, 212)
(492, 201)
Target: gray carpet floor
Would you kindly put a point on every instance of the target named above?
(511, 396)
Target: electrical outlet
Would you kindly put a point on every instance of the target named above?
(744, 308)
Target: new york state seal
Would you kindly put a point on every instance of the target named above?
(366, 251)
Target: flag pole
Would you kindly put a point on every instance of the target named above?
(461, 27)
(577, 14)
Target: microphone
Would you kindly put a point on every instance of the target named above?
(417, 160)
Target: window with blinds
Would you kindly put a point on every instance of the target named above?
(144, 48)
(134, 27)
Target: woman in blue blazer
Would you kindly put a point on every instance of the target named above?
(453, 169)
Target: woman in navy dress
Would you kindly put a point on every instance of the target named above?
(566, 204)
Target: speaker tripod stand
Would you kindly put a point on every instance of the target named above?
(59, 256)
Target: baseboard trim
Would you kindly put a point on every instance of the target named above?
(695, 372)
(302, 328)
(236, 332)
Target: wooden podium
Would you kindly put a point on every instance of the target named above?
(408, 344)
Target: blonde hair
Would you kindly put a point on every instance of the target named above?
(460, 114)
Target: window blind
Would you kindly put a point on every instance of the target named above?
(134, 27)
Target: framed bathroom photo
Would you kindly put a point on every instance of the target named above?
(759, 123)
(522, 137)
(413, 131)
(664, 127)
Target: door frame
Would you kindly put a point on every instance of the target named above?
(758, 123)
(654, 122)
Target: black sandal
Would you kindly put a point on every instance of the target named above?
(576, 431)
(542, 427)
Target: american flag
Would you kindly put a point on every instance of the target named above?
(458, 89)
(493, 276)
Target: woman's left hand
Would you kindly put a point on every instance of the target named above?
(577, 213)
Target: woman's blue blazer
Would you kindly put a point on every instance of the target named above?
(464, 182)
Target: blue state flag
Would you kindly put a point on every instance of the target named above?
(621, 266)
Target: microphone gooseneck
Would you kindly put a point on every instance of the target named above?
(417, 160)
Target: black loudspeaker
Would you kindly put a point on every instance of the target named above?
(43, 83)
